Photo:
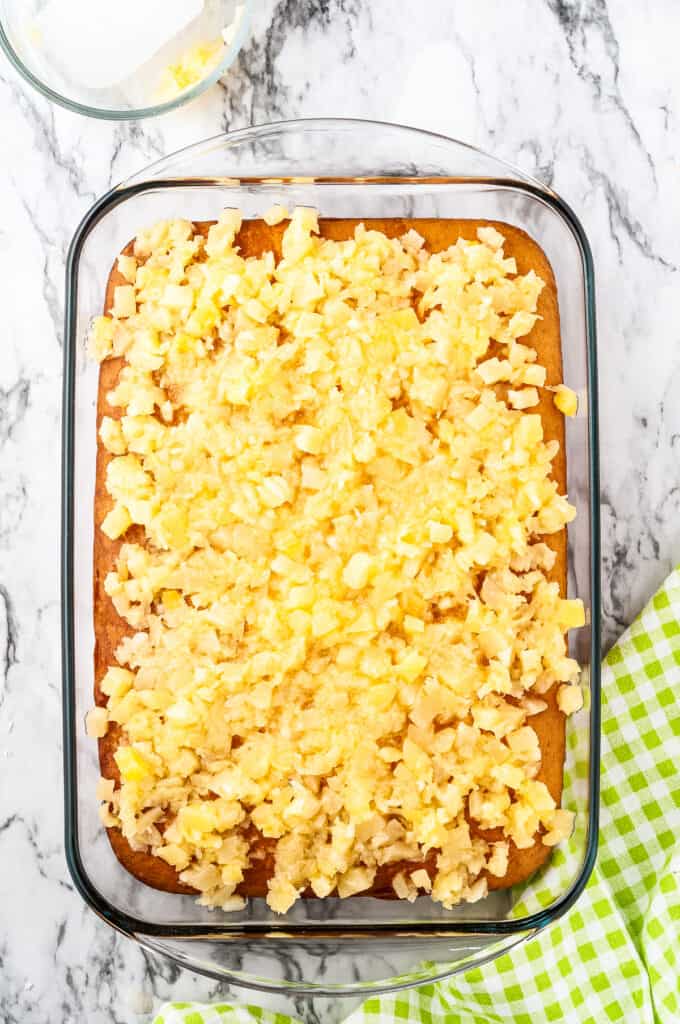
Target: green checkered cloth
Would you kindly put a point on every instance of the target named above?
(615, 956)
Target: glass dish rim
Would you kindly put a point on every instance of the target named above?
(125, 922)
(134, 113)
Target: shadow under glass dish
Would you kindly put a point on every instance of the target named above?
(344, 169)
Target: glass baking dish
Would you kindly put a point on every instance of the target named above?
(345, 169)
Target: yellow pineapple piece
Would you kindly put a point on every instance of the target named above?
(132, 765)
(566, 400)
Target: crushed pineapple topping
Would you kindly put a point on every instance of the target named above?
(341, 616)
(191, 68)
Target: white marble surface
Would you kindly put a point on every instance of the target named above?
(584, 93)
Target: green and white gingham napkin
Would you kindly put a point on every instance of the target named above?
(615, 956)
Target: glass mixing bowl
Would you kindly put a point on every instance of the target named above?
(124, 60)
(345, 169)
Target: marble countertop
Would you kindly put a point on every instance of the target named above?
(585, 94)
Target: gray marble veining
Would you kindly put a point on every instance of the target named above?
(585, 94)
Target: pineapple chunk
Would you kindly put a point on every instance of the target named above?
(534, 375)
(566, 400)
(96, 723)
(192, 67)
(381, 695)
(196, 819)
(132, 765)
(439, 533)
(355, 880)
(309, 439)
(100, 338)
(282, 895)
(562, 827)
(571, 614)
(112, 436)
(420, 878)
(357, 571)
(274, 491)
(174, 855)
(116, 522)
(569, 698)
(176, 296)
(124, 301)
(127, 266)
(275, 215)
(411, 666)
(412, 624)
(116, 682)
(523, 399)
(324, 620)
